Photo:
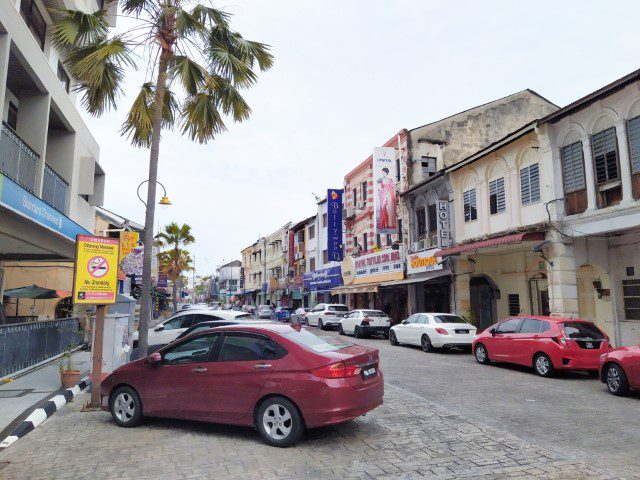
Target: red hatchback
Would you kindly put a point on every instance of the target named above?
(278, 378)
(545, 343)
(620, 369)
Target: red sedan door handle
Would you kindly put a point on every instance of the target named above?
(262, 365)
(198, 369)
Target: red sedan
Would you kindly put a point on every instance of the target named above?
(545, 343)
(281, 379)
(620, 369)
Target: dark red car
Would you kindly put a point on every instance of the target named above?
(620, 369)
(278, 378)
(544, 343)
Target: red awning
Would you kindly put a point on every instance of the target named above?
(492, 242)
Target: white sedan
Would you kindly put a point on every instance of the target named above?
(433, 330)
(168, 331)
(363, 323)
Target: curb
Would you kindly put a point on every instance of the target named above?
(39, 415)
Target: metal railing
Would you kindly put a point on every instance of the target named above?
(17, 160)
(54, 190)
(25, 344)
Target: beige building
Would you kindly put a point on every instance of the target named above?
(277, 266)
(254, 266)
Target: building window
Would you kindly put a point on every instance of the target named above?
(605, 155)
(530, 184)
(364, 191)
(400, 237)
(312, 231)
(514, 304)
(378, 240)
(366, 242)
(324, 220)
(389, 241)
(433, 220)
(496, 196)
(12, 117)
(312, 264)
(470, 206)
(325, 256)
(63, 77)
(428, 166)
(631, 297)
(573, 167)
(301, 236)
(34, 19)
(355, 241)
(397, 169)
(422, 223)
(355, 197)
(633, 132)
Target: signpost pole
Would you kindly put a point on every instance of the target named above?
(96, 370)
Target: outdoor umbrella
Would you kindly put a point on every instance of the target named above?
(34, 292)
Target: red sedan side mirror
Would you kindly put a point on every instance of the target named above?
(154, 358)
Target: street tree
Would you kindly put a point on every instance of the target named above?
(175, 262)
(174, 237)
(196, 65)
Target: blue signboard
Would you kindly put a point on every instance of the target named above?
(16, 198)
(325, 279)
(334, 225)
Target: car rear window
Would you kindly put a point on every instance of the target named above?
(374, 313)
(338, 308)
(243, 316)
(582, 330)
(318, 344)
(449, 319)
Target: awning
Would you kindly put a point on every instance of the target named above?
(443, 272)
(367, 288)
(493, 242)
(35, 292)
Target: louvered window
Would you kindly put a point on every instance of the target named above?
(514, 304)
(530, 184)
(470, 206)
(573, 167)
(605, 155)
(496, 196)
(633, 132)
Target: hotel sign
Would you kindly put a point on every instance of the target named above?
(444, 230)
(422, 262)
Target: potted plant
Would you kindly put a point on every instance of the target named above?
(69, 376)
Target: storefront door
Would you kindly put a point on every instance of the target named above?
(483, 301)
(436, 298)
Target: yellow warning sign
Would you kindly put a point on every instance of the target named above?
(95, 278)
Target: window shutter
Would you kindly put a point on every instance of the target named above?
(633, 133)
(469, 201)
(496, 196)
(573, 167)
(605, 155)
(530, 184)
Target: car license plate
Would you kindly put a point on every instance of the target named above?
(368, 372)
(589, 345)
(462, 331)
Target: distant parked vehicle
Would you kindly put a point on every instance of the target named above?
(300, 315)
(264, 311)
(364, 323)
(432, 331)
(282, 314)
(326, 315)
(545, 343)
(620, 369)
(202, 326)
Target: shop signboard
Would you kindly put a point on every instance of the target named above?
(444, 231)
(384, 190)
(128, 241)
(379, 263)
(334, 225)
(324, 279)
(95, 278)
(423, 262)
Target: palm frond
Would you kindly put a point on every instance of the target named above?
(191, 75)
(210, 16)
(135, 7)
(230, 100)
(74, 28)
(138, 125)
(228, 65)
(254, 52)
(101, 96)
(201, 119)
(188, 24)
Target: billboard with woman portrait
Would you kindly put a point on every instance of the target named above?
(384, 188)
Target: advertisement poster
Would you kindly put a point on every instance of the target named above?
(325, 279)
(379, 263)
(423, 262)
(384, 193)
(95, 278)
(128, 242)
(334, 225)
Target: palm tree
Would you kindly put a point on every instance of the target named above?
(175, 262)
(174, 236)
(196, 67)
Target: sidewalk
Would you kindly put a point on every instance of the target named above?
(26, 391)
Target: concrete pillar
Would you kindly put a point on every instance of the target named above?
(5, 44)
(625, 163)
(412, 305)
(461, 286)
(589, 173)
(484, 212)
(513, 196)
(563, 283)
(33, 124)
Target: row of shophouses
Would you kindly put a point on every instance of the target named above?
(514, 207)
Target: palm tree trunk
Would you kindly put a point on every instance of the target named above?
(145, 299)
(175, 295)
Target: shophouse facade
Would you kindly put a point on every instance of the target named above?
(228, 279)
(277, 267)
(298, 261)
(253, 263)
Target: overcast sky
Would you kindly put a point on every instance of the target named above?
(347, 76)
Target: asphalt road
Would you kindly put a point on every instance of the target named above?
(571, 414)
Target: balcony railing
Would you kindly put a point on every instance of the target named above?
(54, 190)
(17, 160)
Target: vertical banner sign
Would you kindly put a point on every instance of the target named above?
(128, 242)
(95, 278)
(384, 190)
(292, 258)
(334, 225)
(241, 278)
(444, 237)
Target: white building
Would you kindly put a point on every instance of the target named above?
(228, 278)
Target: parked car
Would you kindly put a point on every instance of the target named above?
(168, 331)
(300, 315)
(264, 311)
(202, 326)
(620, 369)
(248, 308)
(432, 331)
(364, 323)
(544, 343)
(282, 313)
(281, 379)
(326, 315)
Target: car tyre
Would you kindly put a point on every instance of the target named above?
(542, 365)
(481, 354)
(279, 422)
(126, 407)
(425, 343)
(321, 325)
(617, 381)
(393, 340)
(340, 329)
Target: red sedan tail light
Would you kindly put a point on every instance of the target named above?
(337, 370)
(442, 331)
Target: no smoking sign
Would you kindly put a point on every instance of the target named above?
(96, 270)
(98, 267)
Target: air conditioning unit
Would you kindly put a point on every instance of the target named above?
(351, 212)
(418, 246)
(362, 205)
